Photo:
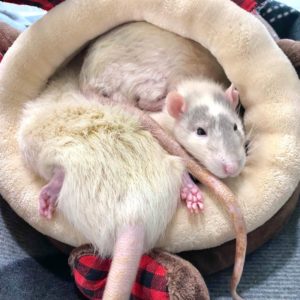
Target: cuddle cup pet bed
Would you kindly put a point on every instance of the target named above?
(268, 85)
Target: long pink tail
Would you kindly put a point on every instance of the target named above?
(126, 258)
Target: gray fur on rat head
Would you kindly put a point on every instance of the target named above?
(224, 143)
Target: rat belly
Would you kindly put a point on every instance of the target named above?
(116, 174)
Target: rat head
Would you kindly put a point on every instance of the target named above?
(208, 126)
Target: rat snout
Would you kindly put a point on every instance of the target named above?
(231, 168)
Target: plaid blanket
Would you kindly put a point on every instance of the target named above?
(90, 274)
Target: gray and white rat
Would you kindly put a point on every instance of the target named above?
(203, 119)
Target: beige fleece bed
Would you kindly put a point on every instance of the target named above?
(268, 85)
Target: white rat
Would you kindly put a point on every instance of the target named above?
(106, 174)
(139, 63)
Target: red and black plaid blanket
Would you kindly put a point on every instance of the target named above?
(90, 274)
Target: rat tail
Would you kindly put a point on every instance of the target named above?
(128, 251)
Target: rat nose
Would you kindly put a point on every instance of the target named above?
(230, 168)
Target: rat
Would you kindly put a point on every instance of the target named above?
(106, 174)
(139, 63)
(203, 118)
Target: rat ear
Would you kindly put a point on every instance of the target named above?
(233, 96)
(175, 104)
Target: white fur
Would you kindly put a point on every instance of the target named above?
(142, 61)
(115, 172)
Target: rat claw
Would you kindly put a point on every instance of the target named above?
(185, 190)
(192, 195)
(194, 190)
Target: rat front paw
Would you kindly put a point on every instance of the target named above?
(47, 201)
(192, 195)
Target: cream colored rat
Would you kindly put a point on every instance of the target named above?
(105, 173)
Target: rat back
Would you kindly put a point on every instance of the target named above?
(116, 174)
(139, 63)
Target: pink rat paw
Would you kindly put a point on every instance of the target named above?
(47, 201)
(49, 194)
(192, 195)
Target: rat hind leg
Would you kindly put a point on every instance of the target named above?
(49, 193)
(151, 91)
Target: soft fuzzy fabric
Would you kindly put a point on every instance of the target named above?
(268, 85)
(284, 19)
(292, 50)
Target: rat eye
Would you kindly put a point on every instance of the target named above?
(201, 131)
(234, 127)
